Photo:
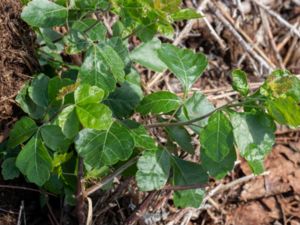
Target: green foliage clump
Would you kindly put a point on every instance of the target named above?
(85, 111)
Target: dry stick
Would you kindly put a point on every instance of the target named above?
(292, 28)
(290, 51)
(109, 178)
(244, 34)
(186, 30)
(266, 25)
(241, 40)
(142, 208)
(20, 213)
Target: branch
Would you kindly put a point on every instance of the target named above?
(109, 178)
(189, 122)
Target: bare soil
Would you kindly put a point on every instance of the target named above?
(16, 59)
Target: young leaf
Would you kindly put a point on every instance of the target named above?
(217, 137)
(180, 135)
(185, 14)
(34, 161)
(94, 116)
(38, 90)
(153, 170)
(254, 135)
(86, 94)
(159, 102)
(44, 13)
(188, 173)
(146, 54)
(186, 65)
(106, 147)
(68, 121)
(218, 170)
(239, 82)
(9, 169)
(54, 138)
(285, 110)
(195, 107)
(21, 132)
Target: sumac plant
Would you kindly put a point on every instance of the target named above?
(89, 118)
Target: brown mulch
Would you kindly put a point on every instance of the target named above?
(16, 59)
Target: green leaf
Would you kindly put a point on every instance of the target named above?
(126, 98)
(95, 70)
(218, 170)
(239, 82)
(146, 54)
(153, 170)
(285, 110)
(186, 65)
(94, 116)
(86, 94)
(93, 29)
(28, 106)
(54, 138)
(188, 173)
(195, 107)
(34, 161)
(217, 137)
(44, 13)
(54, 185)
(120, 47)
(186, 14)
(142, 139)
(68, 121)
(180, 135)
(107, 147)
(114, 61)
(9, 169)
(38, 90)
(90, 5)
(254, 135)
(159, 102)
(21, 132)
